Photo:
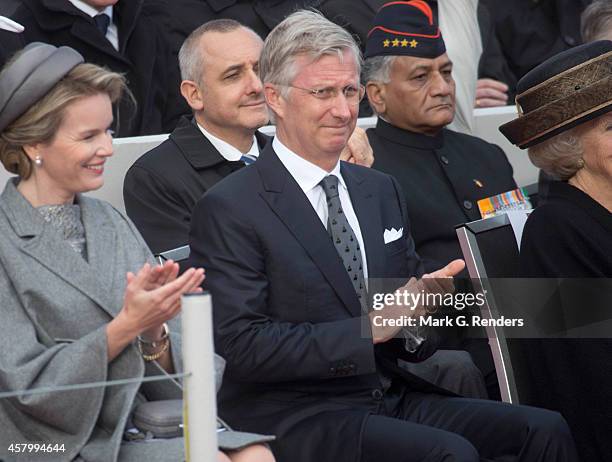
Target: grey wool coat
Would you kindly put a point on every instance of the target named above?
(54, 309)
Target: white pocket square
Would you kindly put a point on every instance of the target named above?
(10, 25)
(392, 234)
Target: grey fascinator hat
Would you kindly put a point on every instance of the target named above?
(30, 76)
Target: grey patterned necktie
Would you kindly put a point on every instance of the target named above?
(347, 245)
(344, 238)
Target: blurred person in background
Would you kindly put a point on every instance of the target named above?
(115, 34)
(529, 32)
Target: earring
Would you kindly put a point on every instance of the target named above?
(38, 161)
(580, 163)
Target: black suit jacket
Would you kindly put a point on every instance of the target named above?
(163, 186)
(287, 318)
(143, 57)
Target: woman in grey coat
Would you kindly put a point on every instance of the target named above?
(81, 298)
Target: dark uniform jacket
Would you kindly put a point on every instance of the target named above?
(143, 57)
(570, 236)
(287, 317)
(443, 177)
(162, 187)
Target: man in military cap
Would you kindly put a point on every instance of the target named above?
(443, 173)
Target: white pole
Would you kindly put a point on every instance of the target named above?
(199, 395)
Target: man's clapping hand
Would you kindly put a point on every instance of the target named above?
(440, 281)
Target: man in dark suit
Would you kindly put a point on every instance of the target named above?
(114, 34)
(219, 65)
(292, 245)
(443, 173)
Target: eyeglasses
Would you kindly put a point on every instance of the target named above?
(353, 95)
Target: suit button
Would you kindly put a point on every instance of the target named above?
(444, 160)
(377, 394)
(468, 205)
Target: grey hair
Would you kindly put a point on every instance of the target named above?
(191, 58)
(561, 155)
(303, 33)
(596, 21)
(378, 69)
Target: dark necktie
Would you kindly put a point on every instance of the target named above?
(344, 238)
(248, 159)
(102, 22)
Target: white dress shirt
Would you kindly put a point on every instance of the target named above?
(308, 176)
(228, 151)
(111, 34)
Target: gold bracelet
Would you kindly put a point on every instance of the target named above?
(158, 354)
(155, 343)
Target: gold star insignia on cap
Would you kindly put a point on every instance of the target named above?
(396, 42)
(404, 43)
(413, 43)
(386, 43)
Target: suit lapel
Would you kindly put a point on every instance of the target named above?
(368, 215)
(291, 205)
(45, 246)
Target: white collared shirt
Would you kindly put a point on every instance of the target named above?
(308, 176)
(228, 151)
(111, 34)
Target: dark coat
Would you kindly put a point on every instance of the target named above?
(163, 186)
(181, 17)
(493, 64)
(438, 175)
(570, 236)
(10, 42)
(287, 318)
(143, 57)
(530, 32)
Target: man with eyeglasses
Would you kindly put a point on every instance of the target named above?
(294, 247)
(443, 173)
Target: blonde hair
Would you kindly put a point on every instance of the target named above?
(40, 123)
